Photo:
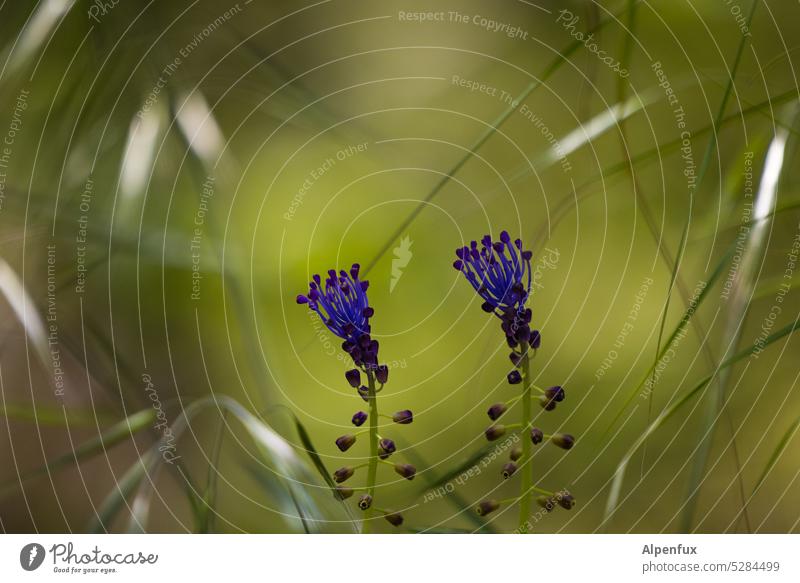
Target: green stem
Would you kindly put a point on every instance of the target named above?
(372, 471)
(526, 483)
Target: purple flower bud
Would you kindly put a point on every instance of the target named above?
(487, 507)
(495, 432)
(365, 501)
(406, 470)
(536, 339)
(363, 392)
(508, 470)
(537, 436)
(343, 474)
(516, 358)
(404, 417)
(386, 447)
(563, 440)
(302, 299)
(394, 518)
(496, 410)
(516, 453)
(514, 378)
(565, 500)
(547, 404)
(555, 393)
(523, 334)
(382, 373)
(353, 377)
(359, 418)
(345, 442)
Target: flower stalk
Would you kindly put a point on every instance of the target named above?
(525, 462)
(372, 470)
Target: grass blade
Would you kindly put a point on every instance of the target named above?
(287, 470)
(776, 454)
(751, 263)
(118, 433)
(25, 310)
(619, 474)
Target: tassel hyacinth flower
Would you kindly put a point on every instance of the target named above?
(341, 303)
(500, 273)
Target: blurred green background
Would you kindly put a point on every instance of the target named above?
(254, 144)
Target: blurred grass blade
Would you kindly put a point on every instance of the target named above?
(312, 453)
(746, 278)
(286, 469)
(682, 324)
(776, 454)
(619, 474)
(139, 157)
(25, 310)
(118, 433)
(206, 512)
(454, 497)
(38, 29)
(117, 498)
(55, 416)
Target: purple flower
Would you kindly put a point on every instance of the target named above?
(344, 308)
(500, 271)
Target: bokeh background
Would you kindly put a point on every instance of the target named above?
(173, 174)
